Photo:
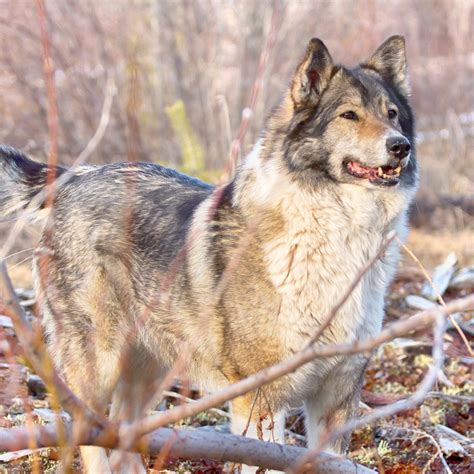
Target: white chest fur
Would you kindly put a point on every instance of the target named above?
(325, 244)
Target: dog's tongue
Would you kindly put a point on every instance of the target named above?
(362, 171)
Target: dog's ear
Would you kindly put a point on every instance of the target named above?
(312, 75)
(390, 61)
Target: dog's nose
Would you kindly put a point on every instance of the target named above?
(399, 147)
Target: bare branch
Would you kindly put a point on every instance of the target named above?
(189, 444)
(289, 365)
(387, 241)
(35, 203)
(34, 350)
(53, 125)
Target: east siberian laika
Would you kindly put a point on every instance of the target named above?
(146, 267)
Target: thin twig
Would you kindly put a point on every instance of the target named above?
(438, 295)
(451, 398)
(53, 127)
(40, 197)
(322, 327)
(248, 112)
(178, 396)
(14, 254)
(421, 434)
(34, 350)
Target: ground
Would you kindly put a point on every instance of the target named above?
(434, 437)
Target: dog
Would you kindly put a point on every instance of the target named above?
(141, 268)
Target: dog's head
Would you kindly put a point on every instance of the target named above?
(349, 125)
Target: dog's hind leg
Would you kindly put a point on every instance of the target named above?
(87, 328)
(94, 460)
(134, 394)
(92, 376)
(90, 372)
(92, 381)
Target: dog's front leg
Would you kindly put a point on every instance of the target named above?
(321, 418)
(335, 401)
(248, 419)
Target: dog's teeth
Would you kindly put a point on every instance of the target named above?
(380, 171)
(397, 170)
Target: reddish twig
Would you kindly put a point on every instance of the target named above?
(247, 113)
(51, 93)
(33, 348)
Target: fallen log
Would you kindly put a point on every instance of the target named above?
(190, 444)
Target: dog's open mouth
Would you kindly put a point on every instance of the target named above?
(383, 175)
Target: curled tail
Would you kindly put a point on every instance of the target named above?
(20, 179)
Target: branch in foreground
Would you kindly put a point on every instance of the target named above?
(189, 444)
(412, 401)
(109, 436)
(34, 350)
(289, 365)
(136, 430)
(371, 262)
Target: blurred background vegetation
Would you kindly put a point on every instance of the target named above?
(185, 69)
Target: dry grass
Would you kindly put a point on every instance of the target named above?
(433, 247)
(21, 275)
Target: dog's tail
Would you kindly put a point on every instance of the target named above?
(21, 179)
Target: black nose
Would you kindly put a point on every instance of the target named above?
(399, 147)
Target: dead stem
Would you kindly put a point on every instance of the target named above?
(438, 295)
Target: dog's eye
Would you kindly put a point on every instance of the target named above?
(349, 115)
(392, 113)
